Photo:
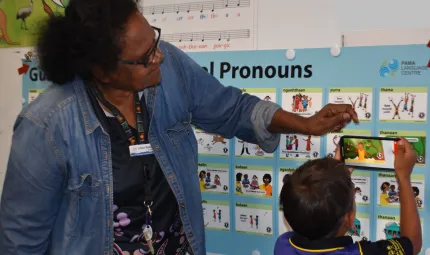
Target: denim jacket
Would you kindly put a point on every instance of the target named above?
(57, 197)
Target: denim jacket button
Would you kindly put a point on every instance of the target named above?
(171, 176)
(182, 205)
(157, 147)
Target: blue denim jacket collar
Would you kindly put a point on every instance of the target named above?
(88, 115)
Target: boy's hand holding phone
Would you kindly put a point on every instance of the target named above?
(404, 160)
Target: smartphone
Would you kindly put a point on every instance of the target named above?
(369, 152)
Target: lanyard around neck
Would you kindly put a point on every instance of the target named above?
(140, 116)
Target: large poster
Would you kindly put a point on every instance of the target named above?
(20, 20)
(240, 184)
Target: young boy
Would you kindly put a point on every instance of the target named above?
(318, 200)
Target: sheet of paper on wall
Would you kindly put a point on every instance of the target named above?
(198, 25)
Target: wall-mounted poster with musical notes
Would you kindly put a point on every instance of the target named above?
(214, 25)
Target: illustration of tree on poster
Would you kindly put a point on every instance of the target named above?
(20, 20)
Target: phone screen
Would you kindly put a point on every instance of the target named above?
(368, 152)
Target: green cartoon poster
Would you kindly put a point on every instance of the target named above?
(20, 20)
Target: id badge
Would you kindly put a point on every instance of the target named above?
(140, 150)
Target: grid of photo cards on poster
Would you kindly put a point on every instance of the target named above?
(246, 181)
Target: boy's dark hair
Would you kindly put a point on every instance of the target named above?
(316, 197)
(88, 35)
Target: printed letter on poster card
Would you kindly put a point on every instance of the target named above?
(254, 180)
(211, 144)
(403, 104)
(248, 150)
(361, 229)
(361, 180)
(416, 138)
(254, 219)
(388, 227)
(213, 177)
(388, 190)
(333, 138)
(216, 214)
(360, 98)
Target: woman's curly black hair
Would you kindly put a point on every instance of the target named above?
(88, 35)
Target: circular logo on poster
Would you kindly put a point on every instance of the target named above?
(379, 155)
(269, 229)
(225, 150)
(421, 115)
(388, 68)
(226, 224)
(368, 115)
(225, 188)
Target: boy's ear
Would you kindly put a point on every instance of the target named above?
(350, 217)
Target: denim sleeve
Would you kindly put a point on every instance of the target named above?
(32, 190)
(224, 110)
(261, 118)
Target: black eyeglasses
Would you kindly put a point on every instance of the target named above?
(149, 58)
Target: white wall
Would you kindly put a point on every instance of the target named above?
(299, 24)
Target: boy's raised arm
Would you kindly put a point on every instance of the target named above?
(409, 218)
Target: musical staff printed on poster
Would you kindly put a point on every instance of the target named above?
(185, 23)
(244, 149)
(403, 104)
(360, 98)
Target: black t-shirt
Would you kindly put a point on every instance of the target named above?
(397, 246)
(129, 196)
